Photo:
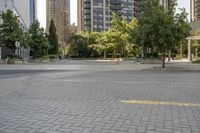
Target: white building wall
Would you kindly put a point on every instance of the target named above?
(20, 8)
(5, 4)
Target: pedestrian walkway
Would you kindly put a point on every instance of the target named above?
(78, 97)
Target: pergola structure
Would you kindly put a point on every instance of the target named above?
(190, 38)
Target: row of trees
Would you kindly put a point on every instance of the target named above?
(161, 29)
(35, 38)
(116, 41)
(158, 29)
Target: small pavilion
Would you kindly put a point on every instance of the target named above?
(190, 38)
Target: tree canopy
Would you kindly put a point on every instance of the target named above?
(10, 30)
(159, 28)
(53, 39)
(38, 40)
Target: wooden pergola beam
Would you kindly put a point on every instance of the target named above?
(193, 38)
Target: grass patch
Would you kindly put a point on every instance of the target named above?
(46, 57)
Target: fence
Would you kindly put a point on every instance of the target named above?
(22, 53)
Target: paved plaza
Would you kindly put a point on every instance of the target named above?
(98, 97)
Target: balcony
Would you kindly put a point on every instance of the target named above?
(87, 12)
(114, 7)
(87, 17)
(117, 2)
(86, 1)
(87, 6)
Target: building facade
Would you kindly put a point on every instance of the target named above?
(79, 16)
(20, 8)
(59, 11)
(195, 10)
(96, 15)
(33, 11)
(195, 15)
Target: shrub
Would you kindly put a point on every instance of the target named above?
(46, 57)
(196, 62)
(152, 55)
(53, 57)
(13, 56)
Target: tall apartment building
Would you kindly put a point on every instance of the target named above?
(59, 11)
(195, 15)
(20, 8)
(79, 16)
(33, 10)
(194, 10)
(96, 15)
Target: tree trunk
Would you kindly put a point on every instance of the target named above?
(196, 53)
(163, 60)
(120, 53)
(181, 51)
(104, 56)
(114, 54)
(169, 55)
(142, 53)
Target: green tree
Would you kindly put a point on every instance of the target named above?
(38, 40)
(102, 43)
(10, 30)
(119, 33)
(160, 29)
(79, 44)
(53, 39)
(84, 44)
(122, 35)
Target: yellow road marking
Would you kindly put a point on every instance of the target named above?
(159, 103)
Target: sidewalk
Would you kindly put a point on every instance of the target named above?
(180, 66)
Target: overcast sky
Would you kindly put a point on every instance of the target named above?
(42, 10)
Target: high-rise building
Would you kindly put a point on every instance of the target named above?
(96, 15)
(20, 8)
(59, 11)
(195, 16)
(33, 10)
(195, 10)
(79, 16)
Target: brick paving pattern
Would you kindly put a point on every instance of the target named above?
(90, 101)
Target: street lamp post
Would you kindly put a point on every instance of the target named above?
(17, 44)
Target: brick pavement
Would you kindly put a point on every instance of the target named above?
(89, 102)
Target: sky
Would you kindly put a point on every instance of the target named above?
(185, 4)
(42, 10)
